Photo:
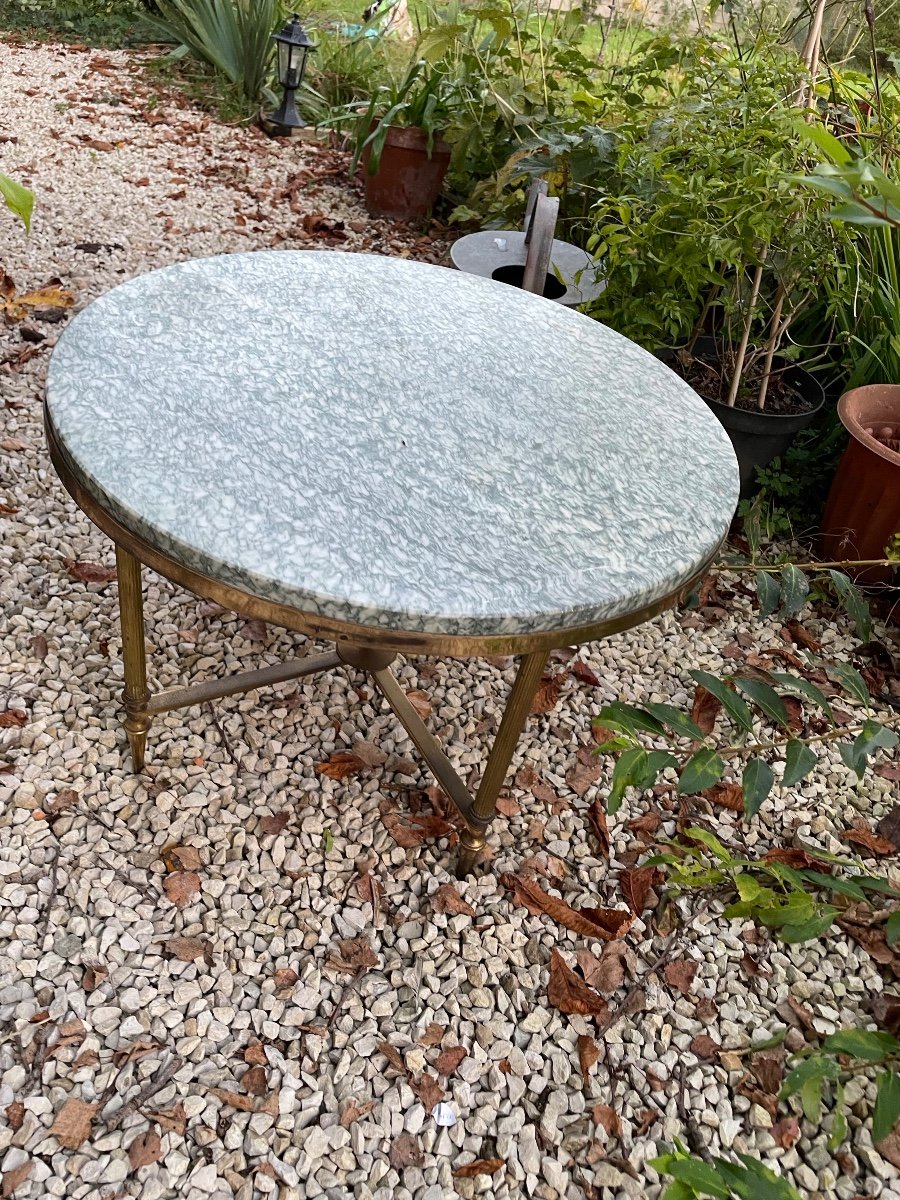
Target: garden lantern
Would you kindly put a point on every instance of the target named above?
(293, 47)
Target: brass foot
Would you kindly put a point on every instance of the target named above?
(471, 844)
(137, 726)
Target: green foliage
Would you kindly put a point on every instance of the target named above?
(112, 23)
(788, 595)
(18, 199)
(794, 902)
(232, 36)
(746, 1180)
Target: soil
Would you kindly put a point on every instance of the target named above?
(707, 377)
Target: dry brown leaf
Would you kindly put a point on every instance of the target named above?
(726, 795)
(394, 1057)
(602, 923)
(889, 825)
(94, 974)
(421, 702)
(507, 806)
(889, 1148)
(171, 1120)
(16, 1176)
(705, 709)
(886, 1011)
(680, 974)
(354, 1110)
(428, 1090)
(12, 443)
(181, 887)
(607, 1118)
(583, 776)
(793, 631)
(569, 993)
(15, 1115)
(480, 1166)
(636, 884)
(583, 673)
(87, 1058)
(274, 824)
(449, 1059)
(88, 572)
(73, 1124)
(597, 819)
(254, 1081)
(547, 695)
(648, 823)
(285, 977)
(234, 1099)
(186, 949)
(646, 1119)
(860, 835)
(786, 1131)
(254, 631)
(706, 1008)
(704, 1046)
(767, 1068)
(606, 973)
(410, 830)
(67, 798)
(361, 757)
(354, 955)
(405, 1151)
(588, 1055)
(135, 1051)
(13, 718)
(448, 900)
(888, 771)
(181, 858)
(41, 302)
(145, 1149)
(798, 858)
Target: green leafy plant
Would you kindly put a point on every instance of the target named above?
(693, 1177)
(232, 36)
(822, 1069)
(793, 901)
(18, 199)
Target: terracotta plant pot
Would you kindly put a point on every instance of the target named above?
(408, 181)
(863, 509)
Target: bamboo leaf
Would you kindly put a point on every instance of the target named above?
(765, 698)
(19, 200)
(794, 590)
(802, 687)
(680, 723)
(851, 681)
(854, 602)
(887, 1105)
(733, 704)
(701, 771)
(769, 594)
(757, 782)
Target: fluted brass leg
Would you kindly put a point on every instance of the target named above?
(136, 695)
(481, 813)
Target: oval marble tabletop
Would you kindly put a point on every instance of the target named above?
(390, 443)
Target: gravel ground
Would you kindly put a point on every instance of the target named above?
(246, 1058)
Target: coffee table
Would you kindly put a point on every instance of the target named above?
(396, 457)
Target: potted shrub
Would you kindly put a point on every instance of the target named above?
(397, 140)
(711, 250)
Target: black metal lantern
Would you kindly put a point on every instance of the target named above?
(293, 47)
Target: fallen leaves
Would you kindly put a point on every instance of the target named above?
(145, 1149)
(405, 1151)
(726, 795)
(181, 858)
(410, 830)
(785, 1132)
(636, 884)
(547, 695)
(607, 1118)
(344, 763)
(602, 923)
(47, 303)
(861, 835)
(171, 1120)
(598, 823)
(886, 1011)
(448, 900)
(274, 824)
(181, 887)
(480, 1166)
(234, 1099)
(588, 1055)
(89, 572)
(428, 1090)
(449, 1059)
(680, 974)
(421, 702)
(13, 718)
(704, 1046)
(569, 993)
(394, 1057)
(186, 949)
(15, 1115)
(606, 973)
(354, 955)
(354, 1110)
(73, 1124)
(255, 1081)
(705, 709)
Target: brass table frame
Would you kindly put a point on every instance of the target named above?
(365, 647)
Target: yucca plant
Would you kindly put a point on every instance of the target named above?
(233, 36)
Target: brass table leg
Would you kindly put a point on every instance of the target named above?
(134, 653)
(481, 813)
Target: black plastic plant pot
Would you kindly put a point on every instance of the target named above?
(759, 437)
